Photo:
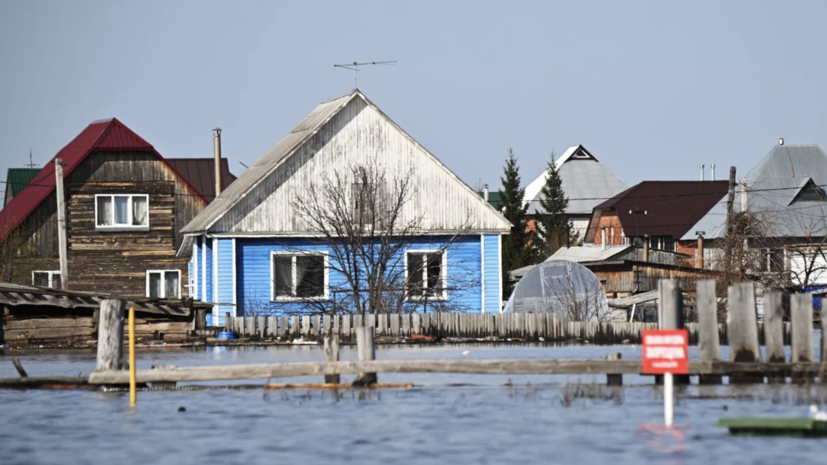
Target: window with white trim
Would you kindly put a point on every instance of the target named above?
(47, 278)
(163, 284)
(426, 274)
(127, 211)
(298, 276)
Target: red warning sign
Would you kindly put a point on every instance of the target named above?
(665, 351)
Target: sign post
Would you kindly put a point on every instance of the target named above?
(666, 352)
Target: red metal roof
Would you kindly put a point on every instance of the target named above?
(671, 207)
(104, 135)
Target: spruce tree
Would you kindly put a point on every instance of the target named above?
(515, 253)
(553, 225)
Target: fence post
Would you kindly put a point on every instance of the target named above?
(272, 327)
(305, 328)
(284, 326)
(614, 380)
(262, 327)
(742, 329)
(331, 354)
(200, 320)
(774, 331)
(709, 348)
(110, 335)
(801, 316)
(670, 315)
(364, 345)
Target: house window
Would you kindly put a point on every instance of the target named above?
(48, 279)
(129, 211)
(426, 275)
(163, 284)
(662, 243)
(298, 276)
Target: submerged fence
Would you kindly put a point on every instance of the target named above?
(487, 326)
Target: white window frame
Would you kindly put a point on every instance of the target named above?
(274, 298)
(163, 283)
(122, 227)
(51, 274)
(443, 271)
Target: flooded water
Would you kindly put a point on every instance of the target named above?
(445, 419)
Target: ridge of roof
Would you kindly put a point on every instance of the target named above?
(278, 154)
(103, 134)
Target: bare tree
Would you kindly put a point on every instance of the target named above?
(381, 258)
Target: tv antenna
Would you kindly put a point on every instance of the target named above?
(31, 162)
(355, 67)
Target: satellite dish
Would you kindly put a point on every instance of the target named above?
(563, 288)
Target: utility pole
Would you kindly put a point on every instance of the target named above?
(729, 220)
(61, 225)
(730, 200)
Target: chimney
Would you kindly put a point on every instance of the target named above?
(712, 174)
(702, 172)
(485, 192)
(217, 141)
(781, 141)
(603, 238)
(699, 261)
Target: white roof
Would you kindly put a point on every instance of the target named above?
(586, 182)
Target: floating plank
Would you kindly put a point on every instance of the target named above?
(498, 367)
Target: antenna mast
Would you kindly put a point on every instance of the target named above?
(355, 67)
(31, 162)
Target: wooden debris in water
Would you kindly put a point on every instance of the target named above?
(336, 386)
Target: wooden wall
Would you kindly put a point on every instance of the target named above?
(107, 261)
(625, 279)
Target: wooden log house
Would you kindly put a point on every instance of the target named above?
(125, 206)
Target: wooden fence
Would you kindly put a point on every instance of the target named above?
(502, 326)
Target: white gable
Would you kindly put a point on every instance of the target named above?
(356, 133)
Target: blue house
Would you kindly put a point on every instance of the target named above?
(257, 248)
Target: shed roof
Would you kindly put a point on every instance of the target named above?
(662, 208)
(586, 182)
(101, 135)
(200, 172)
(17, 178)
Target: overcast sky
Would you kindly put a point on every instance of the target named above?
(652, 89)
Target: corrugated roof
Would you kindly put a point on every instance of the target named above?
(200, 172)
(17, 178)
(104, 135)
(267, 163)
(586, 182)
(578, 254)
(771, 187)
(671, 208)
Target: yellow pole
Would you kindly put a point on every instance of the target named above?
(132, 357)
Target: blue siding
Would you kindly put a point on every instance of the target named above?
(225, 279)
(198, 265)
(492, 274)
(253, 272)
(208, 294)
